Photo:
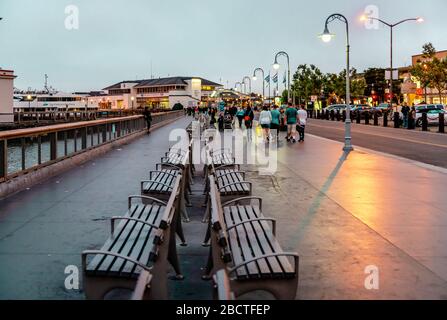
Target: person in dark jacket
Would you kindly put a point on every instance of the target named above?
(248, 121)
(148, 117)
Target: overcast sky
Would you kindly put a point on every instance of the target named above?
(216, 39)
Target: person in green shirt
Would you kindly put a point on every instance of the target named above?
(274, 125)
(291, 116)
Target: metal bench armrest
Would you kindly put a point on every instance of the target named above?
(242, 173)
(112, 222)
(144, 197)
(177, 167)
(273, 221)
(279, 254)
(113, 254)
(162, 172)
(244, 198)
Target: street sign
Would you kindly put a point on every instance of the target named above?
(388, 74)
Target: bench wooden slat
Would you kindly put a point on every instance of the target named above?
(142, 248)
(240, 216)
(263, 239)
(235, 250)
(126, 240)
(284, 262)
(96, 263)
(238, 247)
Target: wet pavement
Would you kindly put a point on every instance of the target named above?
(341, 214)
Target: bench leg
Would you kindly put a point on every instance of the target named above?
(209, 266)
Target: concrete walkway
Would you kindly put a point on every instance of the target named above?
(344, 214)
(340, 214)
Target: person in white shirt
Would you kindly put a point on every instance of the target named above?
(301, 123)
(265, 119)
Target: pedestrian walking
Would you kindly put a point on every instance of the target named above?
(240, 116)
(412, 119)
(265, 119)
(301, 123)
(148, 117)
(291, 118)
(405, 113)
(275, 125)
(248, 121)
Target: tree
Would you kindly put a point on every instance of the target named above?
(307, 81)
(335, 85)
(431, 71)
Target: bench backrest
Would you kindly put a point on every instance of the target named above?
(171, 204)
(217, 219)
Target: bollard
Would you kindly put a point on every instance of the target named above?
(327, 115)
(332, 115)
(318, 114)
(358, 117)
(396, 120)
(376, 118)
(367, 118)
(441, 123)
(338, 115)
(424, 121)
(385, 118)
(343, 115)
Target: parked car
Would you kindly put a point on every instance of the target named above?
(362, 109)
(432, 111)
(381, 108)
(336, 107)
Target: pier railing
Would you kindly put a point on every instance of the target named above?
(33, 118)
(26, 150)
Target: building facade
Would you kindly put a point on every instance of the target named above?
(162, 93)
(412, 90)
(6, 96)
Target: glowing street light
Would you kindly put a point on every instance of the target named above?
(326, 36)
(276, 66)
(256, 78)
(391, 26)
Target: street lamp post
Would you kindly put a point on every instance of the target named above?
(326, 36)
(391, 26)
(263, 77)
(236, 84)
(249, 83)
(276, 67)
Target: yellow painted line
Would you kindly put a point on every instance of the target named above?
(383, 136)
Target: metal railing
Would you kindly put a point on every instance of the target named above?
(26, 150)
(32, 117)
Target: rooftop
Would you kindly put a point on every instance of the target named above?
(162, 82)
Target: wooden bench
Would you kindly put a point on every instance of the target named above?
(143, 240)
(243, 242)
(178, 160)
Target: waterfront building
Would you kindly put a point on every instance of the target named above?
(161, 93)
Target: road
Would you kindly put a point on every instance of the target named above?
(425, 147)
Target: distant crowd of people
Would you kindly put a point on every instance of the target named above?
(272, 120)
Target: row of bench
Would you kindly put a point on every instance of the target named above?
(135, 256)
(245, 255)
